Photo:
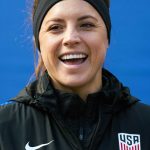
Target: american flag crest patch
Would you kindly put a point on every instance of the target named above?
(129, 141)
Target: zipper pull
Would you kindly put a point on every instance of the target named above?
(81, 133)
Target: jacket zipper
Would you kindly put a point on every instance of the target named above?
(95, 133)
(81, 131)
(67, 134)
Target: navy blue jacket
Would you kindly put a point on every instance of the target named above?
(41, 117)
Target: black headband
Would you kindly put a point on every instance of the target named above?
(45, 5)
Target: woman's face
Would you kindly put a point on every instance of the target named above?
(73, 44)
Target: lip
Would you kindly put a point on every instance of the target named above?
(73, 66)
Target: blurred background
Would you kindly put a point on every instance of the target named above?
(128, 55)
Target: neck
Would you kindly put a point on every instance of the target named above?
(82, 91)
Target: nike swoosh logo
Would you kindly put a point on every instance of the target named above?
(27, 147)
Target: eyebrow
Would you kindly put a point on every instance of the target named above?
(87, 17)
(55, 20)
(79, 19)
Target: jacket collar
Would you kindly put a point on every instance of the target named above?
(41, 94)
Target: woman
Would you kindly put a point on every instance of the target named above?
(74, 104)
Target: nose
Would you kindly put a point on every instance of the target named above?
(71, 37)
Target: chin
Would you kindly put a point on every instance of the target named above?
(75, 83)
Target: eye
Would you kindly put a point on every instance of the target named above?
(55, 28)
(87, 26)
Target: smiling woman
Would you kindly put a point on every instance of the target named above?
(74, 103)
(70, 49)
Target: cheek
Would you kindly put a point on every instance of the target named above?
(102, 53)
(44, 44)
(47, 54)
(48, 47)
(98, 56)
(98, 48)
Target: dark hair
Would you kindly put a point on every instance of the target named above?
(40, 68)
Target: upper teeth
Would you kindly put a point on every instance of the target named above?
(73, 56)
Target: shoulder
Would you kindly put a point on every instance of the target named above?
(8, 112)
(15, 111)
(8, 106)
(8, 109)
(142, 108)
(137, 113)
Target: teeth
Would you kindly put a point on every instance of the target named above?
(73, 56)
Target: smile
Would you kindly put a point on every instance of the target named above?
(73, 59)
